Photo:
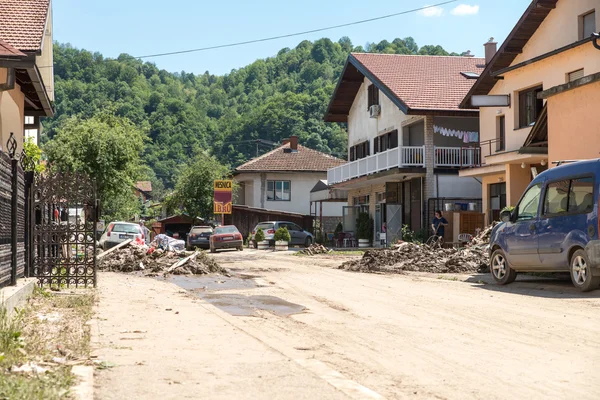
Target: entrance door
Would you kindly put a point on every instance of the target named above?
(394, 223)
(497, 200)
(522, 237)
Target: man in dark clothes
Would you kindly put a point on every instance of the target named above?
(439, 222)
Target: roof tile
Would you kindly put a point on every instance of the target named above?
(304, 159)
(22, 23)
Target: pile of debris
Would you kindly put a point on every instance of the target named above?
(315, 249)
(419, 257)
(154, 261)
(483, 238)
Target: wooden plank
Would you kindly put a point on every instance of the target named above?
(181, 262)
(119, 246)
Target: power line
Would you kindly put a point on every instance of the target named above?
(296, 34)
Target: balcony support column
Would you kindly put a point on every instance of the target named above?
(429, 191)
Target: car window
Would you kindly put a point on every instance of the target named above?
(295, 227)
(581, 195)
(225, 229)
(530, 203)
(557, 197)
(264, 227)
(126, 228)
(197, 231)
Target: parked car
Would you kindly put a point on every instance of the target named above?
(226, 237)
(554, 228)
(199, 237)
(299, 236)
(118, 232)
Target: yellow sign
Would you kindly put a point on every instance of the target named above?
(219, 208)
(223, 186)
(223, 197)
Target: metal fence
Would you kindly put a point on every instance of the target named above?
(457, 204)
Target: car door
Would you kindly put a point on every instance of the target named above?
(299, 234)
(522, 237)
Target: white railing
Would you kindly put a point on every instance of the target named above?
(456, 156)
(408, 156)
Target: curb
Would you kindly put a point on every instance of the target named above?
(14, 296)
(84, 390)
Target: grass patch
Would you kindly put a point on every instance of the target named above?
(347, 252)
(50, 332)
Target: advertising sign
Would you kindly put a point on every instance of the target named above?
(223, 197)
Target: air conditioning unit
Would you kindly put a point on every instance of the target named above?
(374, 111)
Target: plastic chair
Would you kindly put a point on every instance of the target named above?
(465, 238)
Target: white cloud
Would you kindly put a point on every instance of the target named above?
(431, 12)
(465, 9)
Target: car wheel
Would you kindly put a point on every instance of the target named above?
(307, 242)
(212, 249)
(501, 272)
(255, 244)
(241, 248)
(581, 274)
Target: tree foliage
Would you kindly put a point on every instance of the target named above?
(107, 148)
(187, 113)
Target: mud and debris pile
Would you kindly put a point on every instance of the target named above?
(155, 261)
(422, 258)
(483, 238)
(315, 249)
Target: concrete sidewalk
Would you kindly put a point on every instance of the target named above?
(166, 344)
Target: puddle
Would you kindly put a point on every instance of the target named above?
(212, 283)
(245, 306)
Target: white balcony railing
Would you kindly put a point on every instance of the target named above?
(406, 156)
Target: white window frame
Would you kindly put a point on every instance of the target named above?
(273, 191)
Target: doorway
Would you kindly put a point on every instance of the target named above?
(497, 200)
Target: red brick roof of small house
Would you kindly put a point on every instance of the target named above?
(417, 84)
(22, 23)
(8, 51)
(144, 186)
(283, 159)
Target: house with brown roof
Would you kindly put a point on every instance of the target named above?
(26, 68)
(407, 137)
(538, 99)
(282, 179)
(143, 189)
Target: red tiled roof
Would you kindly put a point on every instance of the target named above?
(6, 50)
(423, 82)
(22, 23)
(144, 186)
(304, 159)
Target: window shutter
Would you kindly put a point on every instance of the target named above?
(573, 76)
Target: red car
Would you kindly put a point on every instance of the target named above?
(226, 237)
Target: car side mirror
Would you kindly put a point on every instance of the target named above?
(506, 216)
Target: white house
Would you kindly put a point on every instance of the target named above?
(282, 180)
(407, 136)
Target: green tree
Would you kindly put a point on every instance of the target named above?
(107, 148)
(194, 190)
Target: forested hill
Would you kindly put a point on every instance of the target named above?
(184, 113)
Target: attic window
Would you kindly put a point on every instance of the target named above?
(290, 150)
(470, 75)
(373, 96)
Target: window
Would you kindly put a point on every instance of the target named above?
(361, 200)
(373, 96)
(529, 106)
(359, 151)
(386, 141)
(352, 153)
(587, 25)
(581, 195)
(557, 197)
(279, 190)
(530, 203)
(500, 133)
(573, 76)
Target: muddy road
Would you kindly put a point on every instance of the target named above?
(319, 332)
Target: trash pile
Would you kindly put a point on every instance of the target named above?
(422, 258)
(152, 261)
(315, 249)
(484, 237)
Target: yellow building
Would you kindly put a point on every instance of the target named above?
(538, 98)
(26, 68)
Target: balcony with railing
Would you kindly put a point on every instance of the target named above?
(404, 157)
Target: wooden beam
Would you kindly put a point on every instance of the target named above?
(119, 246)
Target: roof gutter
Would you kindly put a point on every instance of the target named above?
(40, 88)
(10, 80)
(595, 38)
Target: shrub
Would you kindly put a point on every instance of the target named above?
(407, 234)
(339, 228)
(282, 235)
(259, 236)
(364, 226)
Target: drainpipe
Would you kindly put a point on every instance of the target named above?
(10, 81)
(596, 37)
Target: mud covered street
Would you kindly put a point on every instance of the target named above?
(293, 327)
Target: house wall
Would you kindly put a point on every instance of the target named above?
(255, 187)
(455, 186)
(12, 117)
(574, 113)
(45, 61)
(361, 127)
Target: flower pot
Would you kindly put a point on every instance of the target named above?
(281, 245)
(264, 245)
(363, 243)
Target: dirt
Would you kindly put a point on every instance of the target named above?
(154, 261)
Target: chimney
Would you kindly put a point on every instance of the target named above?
(468, 54)
(293, 142)
(285, 141)
(490, 50)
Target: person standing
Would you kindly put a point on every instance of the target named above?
(146, 232)
(438, 224)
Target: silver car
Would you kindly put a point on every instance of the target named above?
(299, 236)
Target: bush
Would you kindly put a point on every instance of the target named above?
(407, 234)
(282, 235)
(259, 236)
(364, 226)
(339, 228)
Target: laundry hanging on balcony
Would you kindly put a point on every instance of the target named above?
(465, 136)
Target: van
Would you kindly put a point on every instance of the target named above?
(553, 228)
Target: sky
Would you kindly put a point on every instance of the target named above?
(142, 27)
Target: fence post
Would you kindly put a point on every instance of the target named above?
(13, 221)
(29, 224)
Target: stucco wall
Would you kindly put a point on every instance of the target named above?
(455, 186)
(574, 123)
(45, 61)
(361, 127)
(517, 179)
(12, 117)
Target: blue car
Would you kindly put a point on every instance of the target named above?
(554, 228)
